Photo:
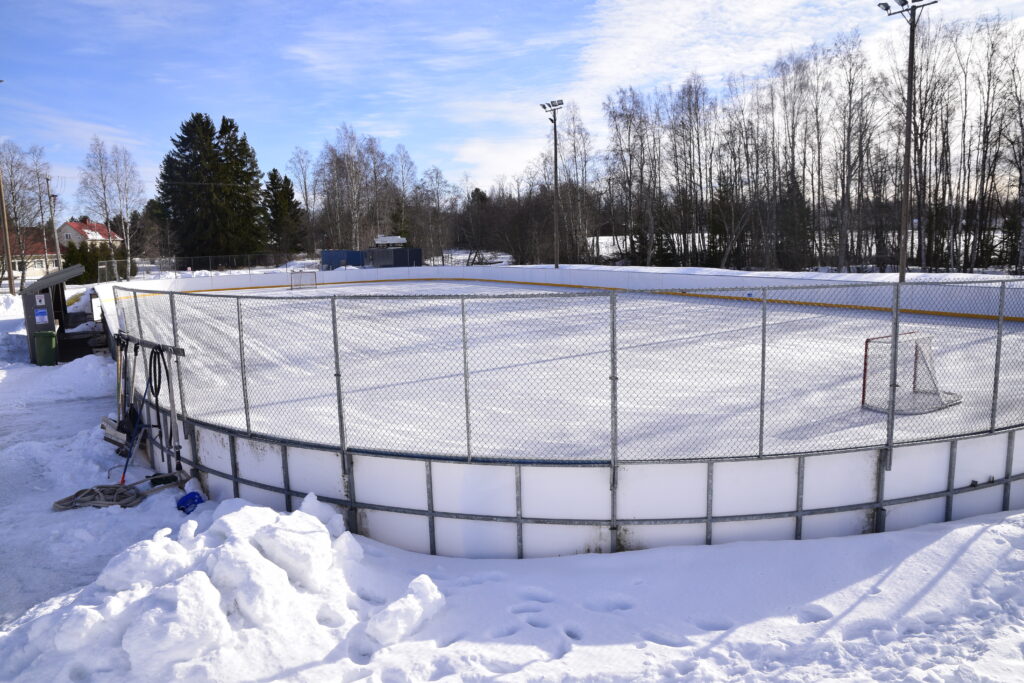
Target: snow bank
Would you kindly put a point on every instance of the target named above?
(240, 592)
(10, 307)
(239, 588)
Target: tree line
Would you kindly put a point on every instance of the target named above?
(798, 166)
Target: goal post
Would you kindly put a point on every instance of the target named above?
(917, 380)
(302, 279)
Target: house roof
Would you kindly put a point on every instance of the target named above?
(92, 231)
(33, 243)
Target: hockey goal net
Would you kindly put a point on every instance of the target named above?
(302, 279)
(917, 384)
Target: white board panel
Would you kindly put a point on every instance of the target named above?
(978, 502)
(915, 514)
(838, 524)
(641, 536)
(754, 530)
(662, 491)
(390, 481)
(261, 497)
(549, 540)
(409, 532)
(918, 469)
(474, 489)
(259, 461)
(980, 459)
(475, 539)
(566, 492)
(315, 471)
(839, 479)
(746, 487)
(214, 452)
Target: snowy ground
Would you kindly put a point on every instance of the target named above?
(689, 371)
(239, 592)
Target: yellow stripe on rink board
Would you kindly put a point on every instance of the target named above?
(727, 297)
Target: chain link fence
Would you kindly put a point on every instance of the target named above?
(143, 268)
(593, 376)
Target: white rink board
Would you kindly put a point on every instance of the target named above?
(764, 490)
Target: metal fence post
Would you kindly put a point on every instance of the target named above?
(999, 356)
(890, 419)
(764, 351)
(177, 358)
(614, 379)
(138, 315)
(241, 365)
(465, 379)
(337, 376)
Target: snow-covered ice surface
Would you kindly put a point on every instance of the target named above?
(241, 592)
(689, 371)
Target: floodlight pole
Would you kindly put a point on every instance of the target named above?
(910, 13)
(552, 108)
(53, 224)
(7, 239)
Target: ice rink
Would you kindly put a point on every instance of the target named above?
(539, 362)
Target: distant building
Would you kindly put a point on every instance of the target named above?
(36, 254)
(87, 233)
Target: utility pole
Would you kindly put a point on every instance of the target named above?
(7, 238)
(552, 107)
(909, 11)
(53, 224)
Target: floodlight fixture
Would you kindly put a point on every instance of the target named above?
(884, 6)
(901, 3)
(552, 108)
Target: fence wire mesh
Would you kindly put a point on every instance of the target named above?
(681, 375)
(814, 367)
(401, 374)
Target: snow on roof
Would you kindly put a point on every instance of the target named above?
(92, 231)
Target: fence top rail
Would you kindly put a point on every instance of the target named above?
(599, 291)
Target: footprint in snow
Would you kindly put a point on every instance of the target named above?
(536, 594)
(811, 614)
(609, 603)
(713, 624)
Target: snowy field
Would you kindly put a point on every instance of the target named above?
(240, 592)
(689, 370)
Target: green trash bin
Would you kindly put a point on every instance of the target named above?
(45, 344)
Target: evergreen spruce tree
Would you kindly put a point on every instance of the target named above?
(209, 190)
(241, 211)
(283, 212)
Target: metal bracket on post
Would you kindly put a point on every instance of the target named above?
(999, 356)
(614, 427)
(241, 366)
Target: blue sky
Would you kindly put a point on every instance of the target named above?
(458, 83)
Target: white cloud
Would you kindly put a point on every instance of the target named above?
(489, 159)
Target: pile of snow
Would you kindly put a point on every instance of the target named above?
(10, 307)
(242, 592)
(239, 590)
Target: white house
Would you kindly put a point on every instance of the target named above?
(87, 233)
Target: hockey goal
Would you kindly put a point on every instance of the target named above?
(917, 384)
(303, 279)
